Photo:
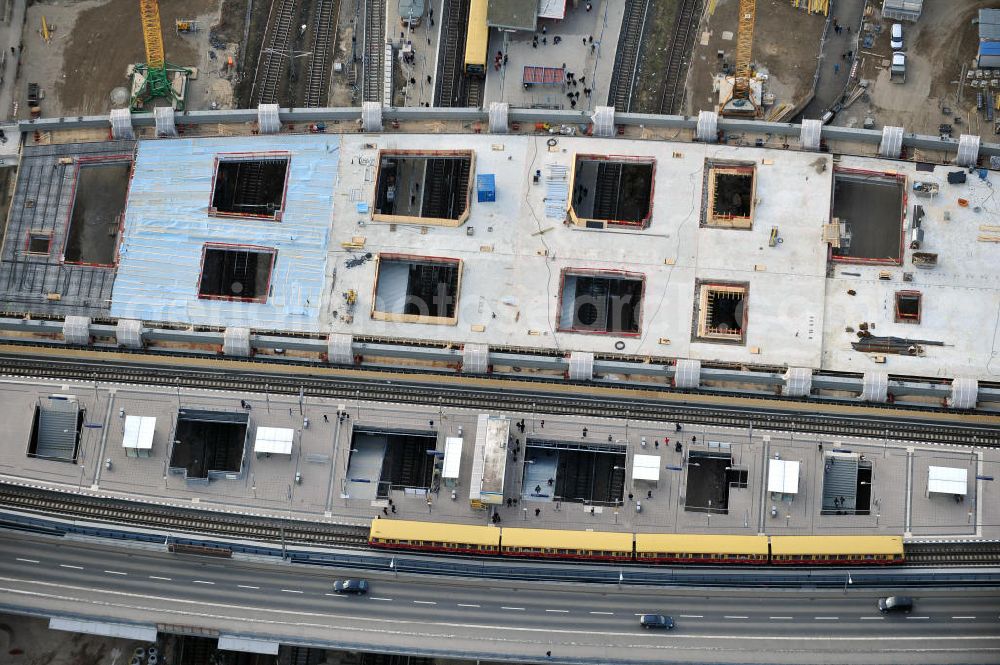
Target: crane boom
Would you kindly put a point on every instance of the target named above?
(744, 49)
(149, 11)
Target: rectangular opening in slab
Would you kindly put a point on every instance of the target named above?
(908, 306)
(730, 191)
(868, 209)
(601, 301)
(99, 198)
(613, 190)
(250, 185)
(710, 477)
(721, 311)
(208, 443)
(588, 473)
(387, 460)
(424, 187)
(55, 428)
(236, 272)
(416, 289)
(39, 243)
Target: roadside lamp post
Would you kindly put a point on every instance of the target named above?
(847, 581)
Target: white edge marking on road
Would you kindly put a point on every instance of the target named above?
(247, 586)
(66, 565)
(201, 582)
(27, 560)
(467, 605)
(425, 602)
(559, 611)
(291, 591)
(165, 579)
(115, 572)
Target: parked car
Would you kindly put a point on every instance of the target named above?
(896, 37)
(895, 604)
(357, 587)
(656, 621)
(897, 72)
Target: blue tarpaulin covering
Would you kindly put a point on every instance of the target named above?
(486, 188)
(167, 224)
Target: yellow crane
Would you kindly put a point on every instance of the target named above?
(153, 76)
(741, 101)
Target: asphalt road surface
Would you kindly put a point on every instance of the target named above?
(483, 619)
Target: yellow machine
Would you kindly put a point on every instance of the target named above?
(739, 101)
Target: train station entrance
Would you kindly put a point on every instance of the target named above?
(573, 472)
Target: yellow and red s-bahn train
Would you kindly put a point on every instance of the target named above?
(653, 548)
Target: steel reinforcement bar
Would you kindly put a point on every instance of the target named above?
(524, 397)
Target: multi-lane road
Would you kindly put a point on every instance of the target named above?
(487, 620)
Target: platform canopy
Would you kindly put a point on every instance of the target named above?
(945, 480)
(782, 477)
(646, 467)
(139, 432)
(452, 457)
(277, 440)
(552, 9)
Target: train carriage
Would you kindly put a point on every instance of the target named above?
(477, 39)
(700, 548)
(836, 550)
(434, 537)
(557, 544)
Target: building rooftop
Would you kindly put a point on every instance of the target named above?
(513, 14)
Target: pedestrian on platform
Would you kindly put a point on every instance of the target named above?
(538, 511)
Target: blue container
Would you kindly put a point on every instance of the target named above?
(486, 188)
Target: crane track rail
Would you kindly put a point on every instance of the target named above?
(374, 50)
(138, 514)
(450, 90)
(681, 42)
(324, 20)
(533, 397)
(627, 55)
(272, 63)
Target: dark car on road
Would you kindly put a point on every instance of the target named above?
(895, 604)
(351, 586)
(656, 621)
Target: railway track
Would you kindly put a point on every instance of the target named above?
(626, 57)
(450, 90)
(679, 50)
(137, 514)
(272, 62)
(374, 57)
(474, 91)
(324, 21)
(953, 554)
(533, 396)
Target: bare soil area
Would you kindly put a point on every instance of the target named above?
(937, 46)
(785, 45)
(95, 41)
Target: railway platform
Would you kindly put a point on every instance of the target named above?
(420, 44)
(719, 481)
(584, 41)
